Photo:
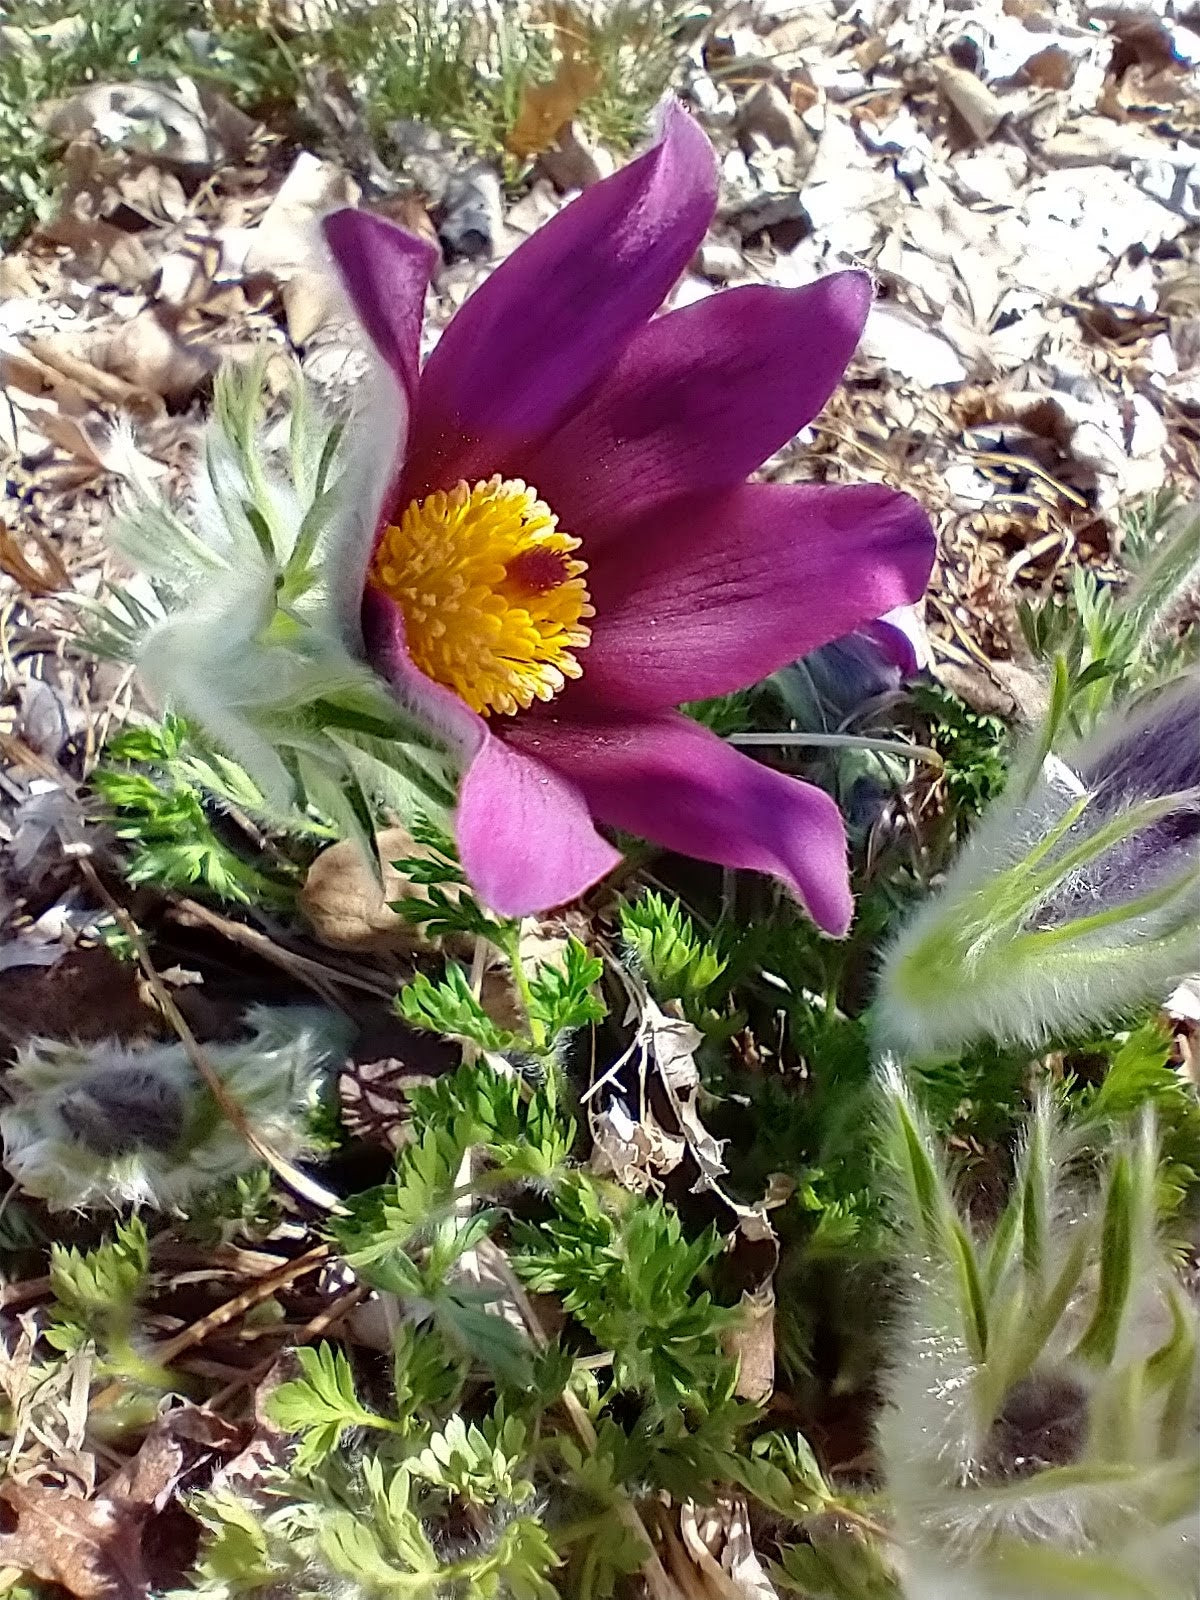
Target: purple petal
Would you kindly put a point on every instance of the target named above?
(900, 639)
(386, 271)
(699, 400)
(530, 343)
(708, 596)
(525, 834)
(672, 781)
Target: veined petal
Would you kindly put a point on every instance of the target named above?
(708, 596)
(525, 835)
(671, 781)
(699, 400)
(531, 342)
(386, 272)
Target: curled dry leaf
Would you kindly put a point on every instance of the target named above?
(546, 107)
(347, 905)
(47, 575)
(977, 110)
(182, 1450)
(77, 382)
(288, 247)
(175, 124)
(715, 1542)
(750, 1341)
(148, 356)
(98, 1549)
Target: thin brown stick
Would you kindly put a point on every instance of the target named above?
(312, 1329)
(320, 976)
(196, 1332)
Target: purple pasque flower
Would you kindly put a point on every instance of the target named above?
(566, 548)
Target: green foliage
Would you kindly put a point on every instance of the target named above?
(467, 69)
(1108, 642)
(557, 999)
(835, 1565)
(448, 905)
(678, 962)
(781, 1472)
(631, 1280)
(1137, 1076)
(96, 40)
(523, 1130)
(236, 1557)
(1140, 1077)
(320, 1405)
(247, 1207)
(408, 1236)
(95, 1291)
(561, 998)
(389, 1552)
(461, 68)
(480, 1465)
(972, 744)
(450, 1007)
(1066, 1317)
(163, 792)
(728, 713)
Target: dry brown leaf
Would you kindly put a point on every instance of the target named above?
(573, 161)
(288, 238)
(1051, 68)
(547, 107)
(750, 1342)
(61, 368)
(978, 111)
(51, 578)
(174, 124)
(310, 300)
(147, 356)
(716, 1541)
(409, 211)
(623, 1148)
(347, 906)
(184, 1446)
(97, 1548)
(156, 195)
(93, 1548)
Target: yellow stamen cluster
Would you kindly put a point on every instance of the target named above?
(493, 600)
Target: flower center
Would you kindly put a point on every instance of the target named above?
(493, 601)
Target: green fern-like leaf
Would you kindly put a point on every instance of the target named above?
(449, 1007)
(561, 999)
(321, 1404)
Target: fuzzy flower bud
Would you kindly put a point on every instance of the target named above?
(106, 1125)
(1077, 898)
(1038, 1436)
